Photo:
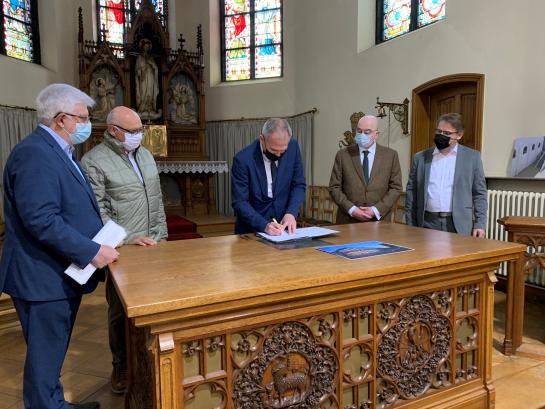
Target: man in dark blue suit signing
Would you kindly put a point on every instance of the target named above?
(267, 182)
(51, 215)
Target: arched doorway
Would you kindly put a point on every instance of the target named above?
(462, 93)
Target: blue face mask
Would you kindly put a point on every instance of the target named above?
(363, 140)
(83, 131)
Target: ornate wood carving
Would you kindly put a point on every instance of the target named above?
(349, 135)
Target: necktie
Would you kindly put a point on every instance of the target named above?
(366, 166)
(274, 171)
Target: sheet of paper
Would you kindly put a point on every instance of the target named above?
(111, 235)
(301, 233)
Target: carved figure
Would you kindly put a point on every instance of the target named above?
(104, 91)
(182, 98)
(147, 82)
(286, 381)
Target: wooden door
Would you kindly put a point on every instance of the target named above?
(461, 93)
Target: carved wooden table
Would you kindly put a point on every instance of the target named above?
(531, 232)
(230, 322)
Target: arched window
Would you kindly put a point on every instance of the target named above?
(397, 17)
(251, 39)
(525, 150)
(114, 17)
(533, 146)
(20, 30)
(514, 153)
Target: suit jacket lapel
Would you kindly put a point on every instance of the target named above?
(354, 152)
(376, 162)
(428, 157)
(83, 181)
(458, 168)
(260, 167)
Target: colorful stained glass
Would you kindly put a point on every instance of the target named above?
(430, 11)
(18, 39)
(18, 9)
(268, 27)
(237, 65)
(268, 61)
(159, 5)
(111, 19)
(237, 31)
(397, 18)
(236, 6)
(18, 29)
(266, 4)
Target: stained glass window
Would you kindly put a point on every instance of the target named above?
(20, 30)
(252, 39)
(397, 17)
(114, 16)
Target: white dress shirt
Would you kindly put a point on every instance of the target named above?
(135, 165)
(269, 174)
(371, 159)
(441, 181)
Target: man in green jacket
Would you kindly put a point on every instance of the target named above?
(125, 180)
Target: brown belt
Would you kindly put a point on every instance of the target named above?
(440, 214)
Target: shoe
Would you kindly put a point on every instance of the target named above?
(118, 380)
(86, 405)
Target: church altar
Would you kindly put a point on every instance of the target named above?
(188, 186)
(230, 322)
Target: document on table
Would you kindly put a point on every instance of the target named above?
(111, 235)
(302, 233)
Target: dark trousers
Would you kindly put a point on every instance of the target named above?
(47, 327)
(116, 326)
(434, 222)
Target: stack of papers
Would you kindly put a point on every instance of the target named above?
(111, 234)
(302, 233)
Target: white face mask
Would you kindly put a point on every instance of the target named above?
(132, 141)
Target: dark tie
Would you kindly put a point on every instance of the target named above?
(366, 166)
(274, 171)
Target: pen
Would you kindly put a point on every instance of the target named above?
(274, 221)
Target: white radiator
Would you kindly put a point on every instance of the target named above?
(507, 203)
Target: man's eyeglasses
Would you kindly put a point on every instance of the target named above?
(137, 130)
(82, 118)
(367, 131)
(446, 133)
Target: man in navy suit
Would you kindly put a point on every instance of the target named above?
(51, 215)
(267, 182)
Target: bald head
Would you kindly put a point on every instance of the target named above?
(122, 119)
(368, 125)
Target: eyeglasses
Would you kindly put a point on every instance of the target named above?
(82, 118)
(446, 133)
(367, 131)
(137, 130)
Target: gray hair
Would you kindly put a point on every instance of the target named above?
(57, 98)
(454, 119)
(275, 125)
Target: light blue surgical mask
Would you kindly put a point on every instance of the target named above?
(83, 131)
(363, 140)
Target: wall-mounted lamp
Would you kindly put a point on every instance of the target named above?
(400, 112)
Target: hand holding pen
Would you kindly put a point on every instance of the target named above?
(274, 228)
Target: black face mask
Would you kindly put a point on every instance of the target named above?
(271, 156)
(441, 141)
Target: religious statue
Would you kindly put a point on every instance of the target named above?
(104, 94)
(184, 103)
(147, 82)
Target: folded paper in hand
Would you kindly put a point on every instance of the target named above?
(302, 233)
(111, 234)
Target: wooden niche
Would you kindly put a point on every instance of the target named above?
(166, 88)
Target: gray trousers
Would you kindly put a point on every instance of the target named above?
(435, 222)
(116, 326)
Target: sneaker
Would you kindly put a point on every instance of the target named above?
(118, 380)
(86, 405)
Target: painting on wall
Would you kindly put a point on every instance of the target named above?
(528, 160)
(183, 107)
(155, 139)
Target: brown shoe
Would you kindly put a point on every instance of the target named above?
(118, 380)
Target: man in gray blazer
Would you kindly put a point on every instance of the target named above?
(366, 177)
(447, 188)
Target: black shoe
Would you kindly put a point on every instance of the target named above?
(118, 380)
(86, 405)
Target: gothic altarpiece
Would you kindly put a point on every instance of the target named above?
(166, 88)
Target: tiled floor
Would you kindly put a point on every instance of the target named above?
(519, 381)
